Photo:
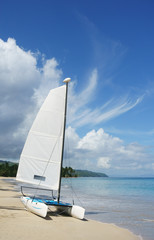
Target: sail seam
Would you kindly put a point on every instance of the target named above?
(39, 159)
(45, 135)
(50, 111)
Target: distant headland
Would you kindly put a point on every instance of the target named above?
(70, 172)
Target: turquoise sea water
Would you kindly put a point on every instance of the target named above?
(126, 202)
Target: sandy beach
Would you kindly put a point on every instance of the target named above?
(17, 223)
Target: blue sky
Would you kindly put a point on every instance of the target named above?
(106, 47)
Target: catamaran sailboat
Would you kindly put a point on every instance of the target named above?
(42, 156)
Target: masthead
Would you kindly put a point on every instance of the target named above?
(66, 80)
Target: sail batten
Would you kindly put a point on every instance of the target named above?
(41, 156)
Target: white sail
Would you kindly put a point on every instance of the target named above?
(40, 161)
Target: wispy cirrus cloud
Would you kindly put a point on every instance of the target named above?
(82, 114)
(130, 132)
(106, 53)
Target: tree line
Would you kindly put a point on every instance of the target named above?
(69, 172)
(8, 169)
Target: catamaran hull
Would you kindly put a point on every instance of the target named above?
(73, 211)
(77, 212)
(39, 208)
(35, 207)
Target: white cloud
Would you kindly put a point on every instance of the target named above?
(99, 151)
(17, 67)
(97, 139)
(50, 78)
(23, 87)
(103, 162)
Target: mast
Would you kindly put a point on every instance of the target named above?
(66, 80)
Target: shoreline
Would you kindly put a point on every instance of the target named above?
(17, 223)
